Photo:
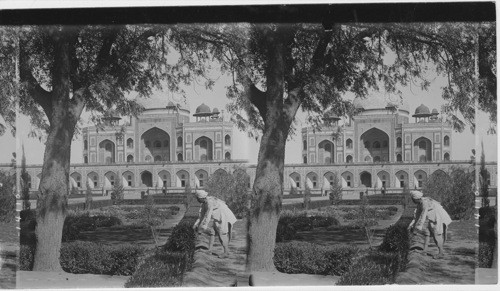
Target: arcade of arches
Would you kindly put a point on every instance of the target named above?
(315, 180)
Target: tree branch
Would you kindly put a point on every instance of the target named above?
(320, 52)
(39, 95)
(109, 38)
(256, 96)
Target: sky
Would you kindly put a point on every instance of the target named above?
(247, 148)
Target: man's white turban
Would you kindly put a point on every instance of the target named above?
(416, 194)
(201, 194)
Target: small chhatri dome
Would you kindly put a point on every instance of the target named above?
(422, 111)
(111, 115)
(215, 111)
(171, 105)
(435, 112)
(203, 110)
(331, 116)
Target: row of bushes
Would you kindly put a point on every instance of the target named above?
(81, 257)
(93, 205)
(167, 266)
(376, 213)
(309, 258)
(396, 200)
(381, 266)
(108, 202)
(75, 224)
(292, 221)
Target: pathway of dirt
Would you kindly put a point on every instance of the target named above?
(9, 246)
(457, 267)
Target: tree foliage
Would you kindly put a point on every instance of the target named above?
(231, 188)
(321, 65)
(25, 184)
(335, 194)
(8, 78)
(483, 180)
(455, 191)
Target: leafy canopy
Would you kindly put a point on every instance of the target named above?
(322, 65)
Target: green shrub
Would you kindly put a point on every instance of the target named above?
(26, 257)
(7, 196)
(396, 239)
(335, 195)
(303, 257)
(323, 221)
(392, 209)
(163, 269)
(7, 208)
(231, 188)
(182, 238)
(168, 265)
(285, 232)
(74, 224)
(488, 216)
(366, 272)
(381, 266)
(292, 221)
(117, 194)
(485, 255)
(26, 215)
(455, 191)
(88, 196)
(82, 257)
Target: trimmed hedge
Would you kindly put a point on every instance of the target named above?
(374, 269)
(289, 224)
(94, 205)
(183, 237)
(160, 270)
(163, 200)
(373, 200)
(83, 257)
(381, 266)
(73, 225)
(487, 236)
(309, 258)
(167, 266)
(485, 255)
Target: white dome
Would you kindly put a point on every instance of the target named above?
(160, 100)
(380, 101)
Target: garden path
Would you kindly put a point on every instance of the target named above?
(457, 267)
(210, 271)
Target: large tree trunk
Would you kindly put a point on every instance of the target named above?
(268, 186)
(52, 199)
(63, 114)
(268, 191)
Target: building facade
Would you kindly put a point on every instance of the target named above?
(382, 148)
